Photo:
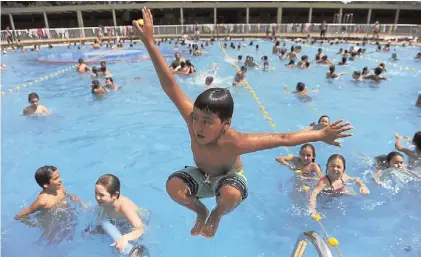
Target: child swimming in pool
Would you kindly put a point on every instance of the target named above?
(53, 193)
(97, 88)
(109, 83)
(301, 90)
(118, 207)
(239, 76)
(395, 161)
(303, 165)
(216, 147)
(35, 108)
(323, 122)
(332, 75)
(334, 182)
(414, 157)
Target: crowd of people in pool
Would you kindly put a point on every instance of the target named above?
(217, 148)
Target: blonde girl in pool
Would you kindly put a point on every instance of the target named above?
(334, 183)
(303, 165)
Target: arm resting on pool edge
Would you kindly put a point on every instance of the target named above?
(252, 142)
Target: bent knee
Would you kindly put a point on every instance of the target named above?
(176, 187)
(229, 191)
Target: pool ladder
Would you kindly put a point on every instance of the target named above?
(311, 236)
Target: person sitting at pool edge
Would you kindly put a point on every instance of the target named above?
(35, 107)
(53, 193)
(216, 147)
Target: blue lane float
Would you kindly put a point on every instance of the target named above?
(130, 250)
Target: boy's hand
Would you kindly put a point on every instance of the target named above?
(334, 131)
(145, 33)
(397, 135)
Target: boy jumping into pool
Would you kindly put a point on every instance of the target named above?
(216, 147)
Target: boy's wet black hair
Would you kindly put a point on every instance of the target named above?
(378, 71)
(217, 101)
(300, 86)
(95, 84)
(32, 96)
(240, 57)
(43, 175)
(111, 183)
(416, 140)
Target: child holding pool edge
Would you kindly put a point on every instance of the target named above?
(216, 147)
(335, 174)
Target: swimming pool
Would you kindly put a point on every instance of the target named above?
(138, 135)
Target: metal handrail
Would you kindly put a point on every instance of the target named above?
(301, 29)
(313, 237)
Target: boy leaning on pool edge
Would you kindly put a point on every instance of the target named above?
(216, 147)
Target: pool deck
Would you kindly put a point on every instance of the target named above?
(351, 38)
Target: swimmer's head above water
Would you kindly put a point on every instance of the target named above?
(324, 120)
(107, 189)
(212, 114)
(48, 177)
(395, 160)
(335, 166)
(209, 81)
(307, 154)
(300, 87)
(33, 99)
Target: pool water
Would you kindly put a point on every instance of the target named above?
(138, 135)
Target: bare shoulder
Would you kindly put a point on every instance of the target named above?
(42, 200)
(127, 204)
(44, 108)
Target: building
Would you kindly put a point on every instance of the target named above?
(26, 15)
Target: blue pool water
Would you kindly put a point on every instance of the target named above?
(138, 135)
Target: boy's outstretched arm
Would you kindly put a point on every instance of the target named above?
(35, 206)
(247, 143)
(168, 83)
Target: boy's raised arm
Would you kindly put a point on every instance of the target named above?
(168, 83)
(247, 143)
